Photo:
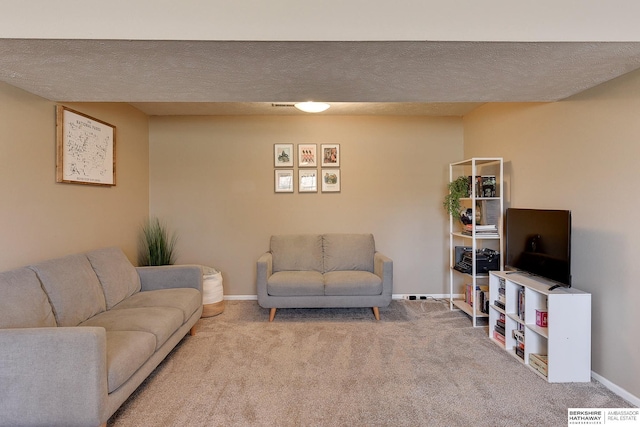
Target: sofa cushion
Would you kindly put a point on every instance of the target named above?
(348, 252)
(126, 352)
(357, 283)
(72, 287)
(300, 252)
(23, 303)
(187, 300)
(295, 283)
(159, 321)
(119, 279)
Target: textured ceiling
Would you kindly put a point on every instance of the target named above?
(222, 77)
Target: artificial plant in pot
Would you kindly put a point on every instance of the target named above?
(157, 245)
(458, 188)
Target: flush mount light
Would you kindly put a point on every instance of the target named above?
(311, 107)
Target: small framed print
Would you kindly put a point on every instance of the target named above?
(307, 180)
(330, 180)
(283, 155)
(330, 155)
(307, 155)
(284, 181)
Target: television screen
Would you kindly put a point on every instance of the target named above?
(538, 241)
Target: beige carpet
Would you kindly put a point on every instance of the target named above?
(420, 365)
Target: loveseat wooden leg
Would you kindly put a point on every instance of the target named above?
(193, 330)
(272, 314)
(376, 313)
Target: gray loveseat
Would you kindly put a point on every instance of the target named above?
(80, 333)
(324, 270)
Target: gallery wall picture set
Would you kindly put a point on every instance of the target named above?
(307, 155)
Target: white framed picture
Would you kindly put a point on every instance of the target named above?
(330, 155)
(283, 155)
(307, 155)
(284, 181)
(330, 180)
(307, 180)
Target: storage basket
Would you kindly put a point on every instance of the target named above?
(212, 292)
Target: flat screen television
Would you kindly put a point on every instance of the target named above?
(538, 242)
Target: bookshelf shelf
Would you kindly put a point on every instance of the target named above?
(462, 305)
(486, 207)
(565, 342)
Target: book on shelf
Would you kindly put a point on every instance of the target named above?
(539, 363)
(521, 303)
(499, 304)
(519, 352)
(481, 295)
(483, 230)
(518, 335)
(540, 358)
(499, 328)
(498, 337)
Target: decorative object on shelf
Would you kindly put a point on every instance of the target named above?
(307, 155)
(283, 155)
(284, 181)
(85, 149)
(330, 155)
(307, 180)
(330, 180)
(458, 189)
(157, 245)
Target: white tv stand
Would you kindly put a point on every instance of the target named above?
(566, 340)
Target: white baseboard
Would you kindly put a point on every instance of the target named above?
(423, 297)
(634, 400)
(241, 297)
(394, 296)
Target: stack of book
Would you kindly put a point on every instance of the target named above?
(498, 329)
(518, 335)
(481, 230)
(500, 301)
(539, 363)
(481, 296)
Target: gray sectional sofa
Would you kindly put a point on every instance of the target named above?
(324, 270)
(80, 333)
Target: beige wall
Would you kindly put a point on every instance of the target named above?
(582, 154)
(41, 219)
(211, 180)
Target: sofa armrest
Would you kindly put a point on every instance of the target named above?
(383, 268)
(264, 270)
(170, 276)
(53, 376)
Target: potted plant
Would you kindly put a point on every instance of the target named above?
(157, 245)
(458, 189)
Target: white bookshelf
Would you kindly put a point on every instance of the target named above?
(477, 166)
(566, 341)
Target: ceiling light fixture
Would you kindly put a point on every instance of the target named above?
(311, 107)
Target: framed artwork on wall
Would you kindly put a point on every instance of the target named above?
(330, 155)
(307, 180)
(307, 155)
(330, 180)
(85, 149)
(284, 181)
(283, 155)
